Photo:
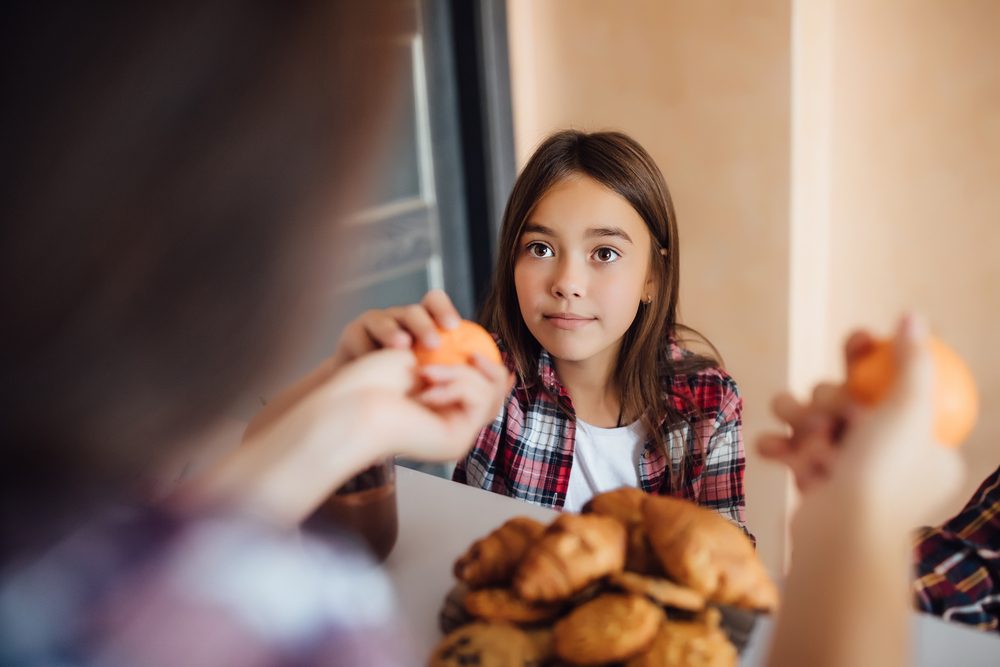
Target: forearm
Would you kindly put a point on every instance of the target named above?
(285, 470)
(279, 406)
(847, 599)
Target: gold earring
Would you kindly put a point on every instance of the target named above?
(647, 299)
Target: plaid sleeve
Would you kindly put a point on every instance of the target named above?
(721, 484)
(958, 564)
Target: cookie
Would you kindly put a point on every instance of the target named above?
(575, 551)
(701, 550)
(661, 590)
(488, 645)
(453, 614)
(542, 638)
(502, 604)
(609, 628)
(687, 644)
(493, 559)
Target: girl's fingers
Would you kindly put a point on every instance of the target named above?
(385, 330)
(774, 446)
(400, 326)
(810, 464)
(788, 409)
(355, 341)
(915, 365)
(837, 407)
(462, 384)
(442, 395)
(439, 374)
(858, 344)
(441, 309)
(808, 458)
(819, 449)
(492, 370)
(417, 321)
(831, 399)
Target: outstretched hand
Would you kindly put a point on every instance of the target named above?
(811, 445)
(886, 453)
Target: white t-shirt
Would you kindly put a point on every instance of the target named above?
(604, 459)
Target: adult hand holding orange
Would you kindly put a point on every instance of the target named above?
(870, 375)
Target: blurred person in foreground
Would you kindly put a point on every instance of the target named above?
(868, 477)
(170, 175)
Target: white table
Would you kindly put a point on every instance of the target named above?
(438, 519)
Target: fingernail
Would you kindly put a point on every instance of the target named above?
(914, 327)
(432, 340)
(429, 394)
(435, 372)
(451, 322)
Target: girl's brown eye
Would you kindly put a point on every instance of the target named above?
(606, 255)
(539, 250)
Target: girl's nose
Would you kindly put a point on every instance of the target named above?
(568, 282)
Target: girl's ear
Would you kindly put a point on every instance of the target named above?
(649, 288)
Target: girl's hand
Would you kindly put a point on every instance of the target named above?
(883, 457)
(432, 413)
(883, 475)
(890, 464)
(380, 405)
(398, 327)
(392, 328)
(812, 444)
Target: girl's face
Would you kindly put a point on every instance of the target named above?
(581, 269)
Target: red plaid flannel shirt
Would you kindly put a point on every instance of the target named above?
(527, 451)
(958, 564)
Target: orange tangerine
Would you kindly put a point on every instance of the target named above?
(458, 345)
(956, 401)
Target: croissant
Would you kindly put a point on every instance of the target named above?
(701, 550)
(575, 551)
(493, 559)
(625, 504)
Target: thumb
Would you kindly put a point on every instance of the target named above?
(386, 369)
(913, 389)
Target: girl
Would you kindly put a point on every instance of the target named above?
(584, 305)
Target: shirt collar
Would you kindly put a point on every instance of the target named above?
(548, 378)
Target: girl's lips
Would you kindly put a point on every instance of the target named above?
(568, 322)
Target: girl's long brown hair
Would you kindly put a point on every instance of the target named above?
(619, 163)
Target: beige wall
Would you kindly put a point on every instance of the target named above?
(915, 182)
(832, 163)
(704, 87)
